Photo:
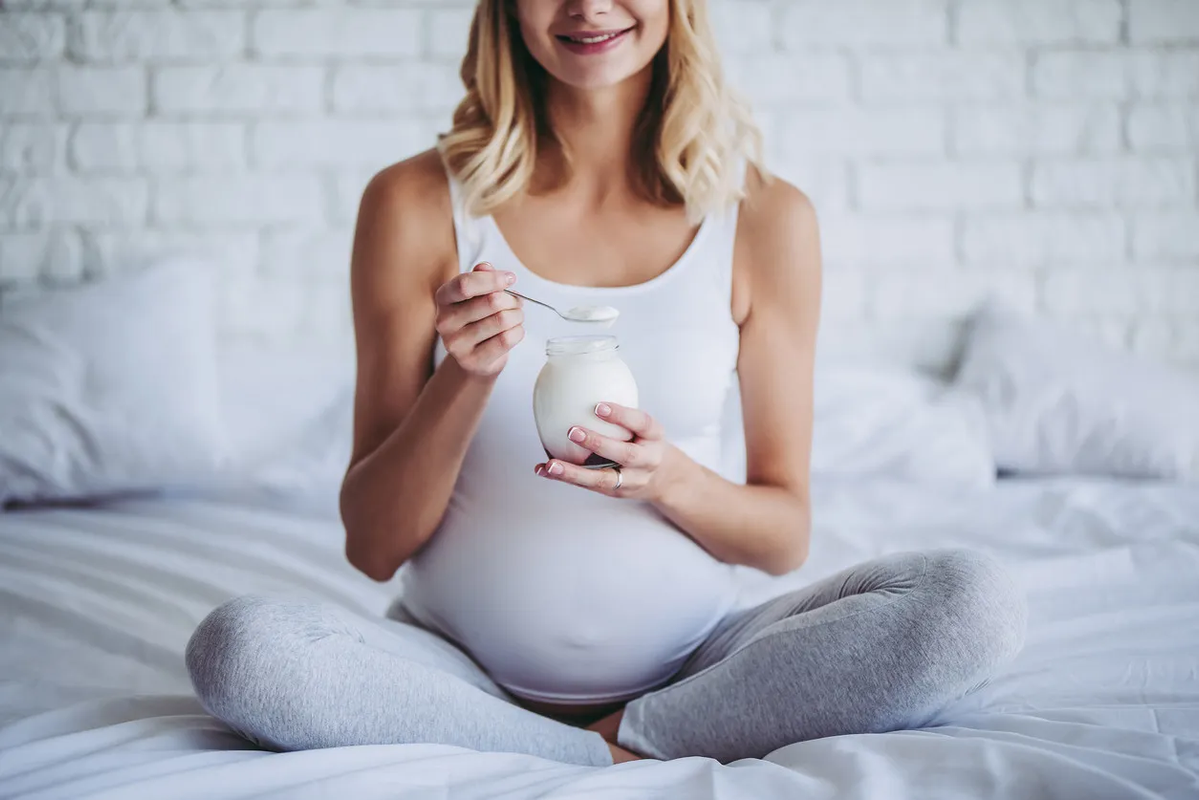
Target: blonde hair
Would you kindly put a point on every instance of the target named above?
(692, 138)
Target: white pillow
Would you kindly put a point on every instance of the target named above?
(110, 387)
(873, 421)
(892, 422)
(306, 475)
(290, 417)
(271, 398)
(1057, 403)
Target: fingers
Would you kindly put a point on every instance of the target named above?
(641, 424)
(624, 453)
(457, 315)
(489, 356)
(483, 280)
(491, 350)
(477, 333)
(477, 321)
(598, 480)
(496, 334)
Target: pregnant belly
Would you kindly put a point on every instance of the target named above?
(563, 612)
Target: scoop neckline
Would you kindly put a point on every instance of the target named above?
(676, 267)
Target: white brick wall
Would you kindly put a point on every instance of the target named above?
(32, 147)
(101, 91)
(351, 32)
(237, 200)
(246, 90)
(1044, 240)
(1123, 73)
(942, 76)
(1163, 21)
(1043, 150)
(1038, 22)
(1024, 129)
(157, 147)
(27, 38)
(102, 36)
(1122, 183)
(808, 23)
(941, 185)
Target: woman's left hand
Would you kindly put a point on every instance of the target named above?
(644, 460)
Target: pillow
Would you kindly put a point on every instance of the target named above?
(893, 422)
(1057, 403)
(306, 474)
(110, 387)
(290, 418)
(886, 422)
(271, 398)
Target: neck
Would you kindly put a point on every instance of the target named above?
(596, 127)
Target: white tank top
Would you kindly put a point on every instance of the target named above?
(564, 595)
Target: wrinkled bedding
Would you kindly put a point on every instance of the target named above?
(96, 605)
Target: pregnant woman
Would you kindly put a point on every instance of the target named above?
(591, 615)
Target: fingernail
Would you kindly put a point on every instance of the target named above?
(556, 469)
(603, 410)
(576, 434)
(537, 470)
(509, 278)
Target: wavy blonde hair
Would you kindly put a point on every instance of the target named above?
(692, 137)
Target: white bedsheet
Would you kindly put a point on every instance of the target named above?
(96, 606)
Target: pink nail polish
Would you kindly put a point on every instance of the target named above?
(509, 278)
(603, 410)
(576, 435)
(556, 469)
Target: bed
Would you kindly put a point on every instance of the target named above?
(96, 604)
(220, 464)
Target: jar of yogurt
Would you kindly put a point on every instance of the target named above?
(579, 373)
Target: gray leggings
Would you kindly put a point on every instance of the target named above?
(878, 647)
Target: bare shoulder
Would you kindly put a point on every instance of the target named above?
(412, 178)
(405, 223)
(412, 194)
(777, 256)
(775, 212)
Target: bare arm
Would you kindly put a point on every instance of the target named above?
(765, 523)
(413, 425)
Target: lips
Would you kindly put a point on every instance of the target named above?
(593, 37)
(590, 42)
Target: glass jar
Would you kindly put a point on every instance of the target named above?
(579, 373)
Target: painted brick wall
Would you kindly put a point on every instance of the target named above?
(1043, 150)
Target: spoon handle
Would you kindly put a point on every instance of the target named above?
(531, 300)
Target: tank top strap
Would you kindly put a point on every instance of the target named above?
(722, 239)
(468, 233)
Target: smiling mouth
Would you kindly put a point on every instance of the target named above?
(592, 37)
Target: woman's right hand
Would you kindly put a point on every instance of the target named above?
(478, 322)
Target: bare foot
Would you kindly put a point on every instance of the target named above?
(620, 755)
(609, 727)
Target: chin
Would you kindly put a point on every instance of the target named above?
(591, 74)
(595, 79)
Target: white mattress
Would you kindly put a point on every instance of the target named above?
(96, 606)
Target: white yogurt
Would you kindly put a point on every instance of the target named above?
(579, 373)
(604, 315)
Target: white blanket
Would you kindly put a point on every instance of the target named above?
(96, 606)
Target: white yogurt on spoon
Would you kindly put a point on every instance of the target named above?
(600, 316)
(603, 315)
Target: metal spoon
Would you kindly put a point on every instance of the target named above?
(595, 315)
